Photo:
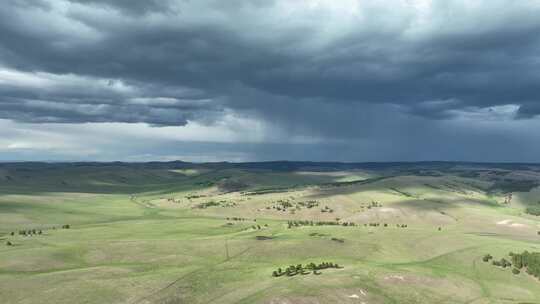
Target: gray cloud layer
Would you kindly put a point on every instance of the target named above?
(361, 70)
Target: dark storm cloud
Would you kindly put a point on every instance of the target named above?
(130, 6)
(282, 61)
(529, 110)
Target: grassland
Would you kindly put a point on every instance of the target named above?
(140, 233)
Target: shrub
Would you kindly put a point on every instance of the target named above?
(515, 271)
(505, 263)
(338, 240)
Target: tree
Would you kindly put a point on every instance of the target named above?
(517, 259)
(8, 243)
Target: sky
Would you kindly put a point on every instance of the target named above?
(259, 80)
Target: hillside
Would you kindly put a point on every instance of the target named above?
(228, 232)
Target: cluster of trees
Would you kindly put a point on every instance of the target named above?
(190, 196)
(385, 225)
(31, 232)
(291, 224)
(534, 209)
(28, 232)
(238, 219)
(501, 263)
(309, 204)
(373, 204)
(215, 204)
(277, 207)
(528, 260)
(258, 227)
(508, 198)
(284, 205)
(293, 270)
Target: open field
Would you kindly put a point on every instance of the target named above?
(214, 233)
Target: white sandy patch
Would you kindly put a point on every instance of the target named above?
(385, 209)
(356, 296)
(510, 223)
(395, 277)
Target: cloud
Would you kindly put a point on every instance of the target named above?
(346, 72)
(529, 110)
(136, 7)
(68, 98)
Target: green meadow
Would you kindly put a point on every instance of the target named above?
(214, 233)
